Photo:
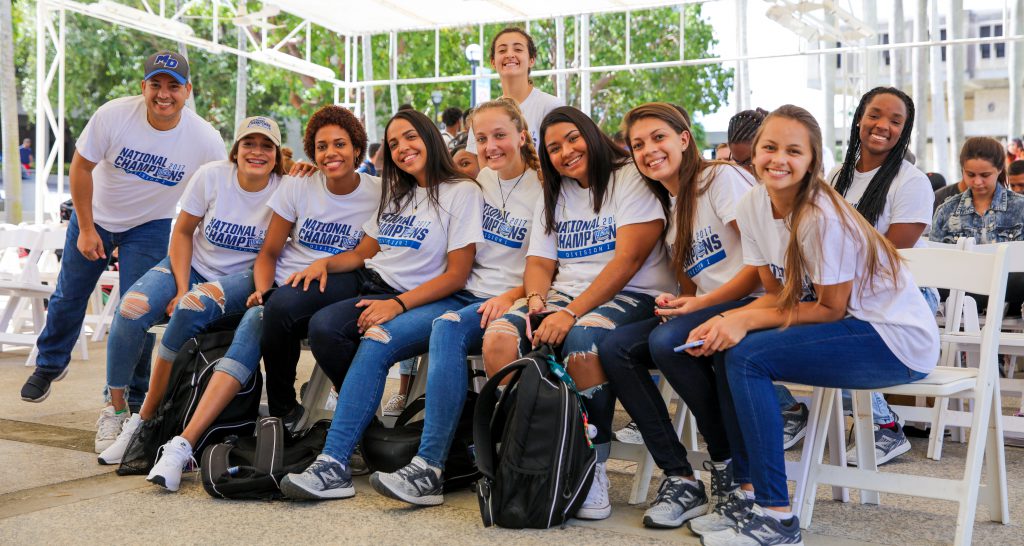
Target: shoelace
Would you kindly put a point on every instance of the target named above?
(108, 426)
(187, 463)
(718, 477)
(668, 491)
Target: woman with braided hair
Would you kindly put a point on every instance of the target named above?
(892, 195)
(742, 128)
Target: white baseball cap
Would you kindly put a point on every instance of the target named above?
(259, 125)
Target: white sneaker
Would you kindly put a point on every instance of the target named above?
(171, 459)
(597, 505)
(108, 426)
(629, 434)
(395, 405)
(115, 451)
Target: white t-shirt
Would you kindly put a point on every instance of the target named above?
(584, 242)
(415, 241)
(909, 200)
(509, 207)
(534, 108)
(717, 254)
(325, 224)
(234, 221)
(897, 311)
(141, 172)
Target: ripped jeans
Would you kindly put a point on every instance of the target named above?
(358, 364)
(582, 339)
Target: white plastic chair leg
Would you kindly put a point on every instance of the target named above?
(863, 427)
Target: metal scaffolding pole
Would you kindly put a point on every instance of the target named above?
(742, 78)
(897, 66)
(919, 76)
(241, 79)
(940, 148)
(560, 88)
(369, 106)
(585, 63)
(955, 68)
(393, 71)
(868, 59)
(1015, 61)
(828, 91)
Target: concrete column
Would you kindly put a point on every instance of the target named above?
(897, 65)
(940, 148)
(955, 67)
(1015, 61)
(919, 77)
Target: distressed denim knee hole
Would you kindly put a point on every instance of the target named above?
(134, 305)
(378, 334)
(193, 301)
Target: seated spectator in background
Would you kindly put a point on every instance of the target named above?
(938, 182)
(452, 119)
(944, 193)
(369, 165)
(742, 128)
(1014, 151)
(25, 151)
(620, 141)
(1015, 176)
(286, 158)
(465, 161)
(987, 210)
(722, 152)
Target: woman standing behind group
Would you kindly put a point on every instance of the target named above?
(596, 262)
(708, 260)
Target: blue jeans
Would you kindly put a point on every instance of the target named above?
(139, 249)
(845, 354)
(358, 364)
(454, 335)
(205, 304)
(144, 305)
(243, 356)
(627, 355)
(585, 338)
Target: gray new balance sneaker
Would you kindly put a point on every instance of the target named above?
(794, 425)
(889, 444)
(756, 529)
(326, 478)
(678, 500)
(722, 516)
(416, 483)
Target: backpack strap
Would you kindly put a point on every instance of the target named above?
(214, 467)
(410, 411)
(269, 445)
(485, 404)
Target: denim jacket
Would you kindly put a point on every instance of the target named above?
(1002, 222)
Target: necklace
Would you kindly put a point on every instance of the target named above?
(505, 198)
(416, 204)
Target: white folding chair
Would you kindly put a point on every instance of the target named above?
(955, 270)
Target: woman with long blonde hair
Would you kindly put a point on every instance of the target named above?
(839, 311)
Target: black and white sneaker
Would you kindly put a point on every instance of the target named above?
(756, 529)
(629, 434)
(794, 425)
(326, 478)
(889, 444)
(678, 500)
(416, 483)
(721, 482)
(722, 516)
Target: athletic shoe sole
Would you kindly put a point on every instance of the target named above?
(162, 482)
(102, 461)
(799, 436)
(701, 532)
(296, 491)
(594, 514)
(677, 523)
(383, 489)
(49, 388)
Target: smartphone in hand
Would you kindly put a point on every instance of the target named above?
(689, 345)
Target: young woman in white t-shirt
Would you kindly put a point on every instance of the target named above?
(416, 256)
(513, 54)
(708, 261)
(511, 191)
(895, 197)
(329, 228)
(219, 231)
(596, 262)
(867, 326)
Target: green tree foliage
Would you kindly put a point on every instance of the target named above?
(105, 61)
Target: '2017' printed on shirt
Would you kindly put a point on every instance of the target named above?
(581, 238)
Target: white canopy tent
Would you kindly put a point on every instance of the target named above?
(815, 21)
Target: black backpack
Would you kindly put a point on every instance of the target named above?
(540, 474)
(388, 449)
(252, 467)
(191, 372)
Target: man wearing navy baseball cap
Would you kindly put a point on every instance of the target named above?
(132, 163)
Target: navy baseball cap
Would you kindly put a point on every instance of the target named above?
(167, 62)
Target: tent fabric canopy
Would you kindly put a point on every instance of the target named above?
(382, 16)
